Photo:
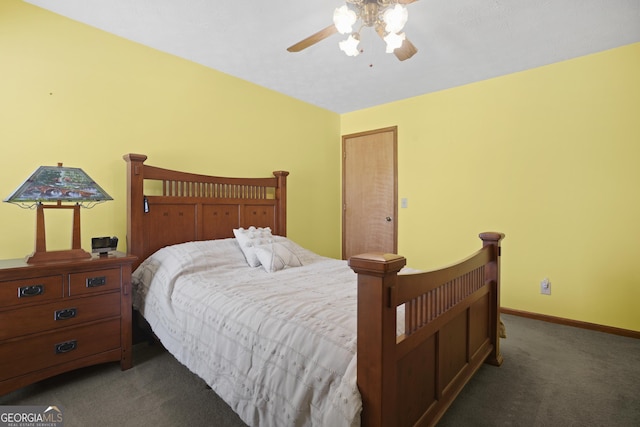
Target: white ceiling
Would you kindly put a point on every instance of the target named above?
(458, 41)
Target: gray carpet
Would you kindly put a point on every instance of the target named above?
(158, 391)
(553, 375)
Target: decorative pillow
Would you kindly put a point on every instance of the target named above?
(249, 238)
(276, 256)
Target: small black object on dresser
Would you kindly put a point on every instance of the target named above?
(104, 245)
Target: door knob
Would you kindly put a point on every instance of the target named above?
(388, 219)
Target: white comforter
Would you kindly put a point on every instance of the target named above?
(279, 348)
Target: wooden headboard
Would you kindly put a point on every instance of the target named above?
(166, 207)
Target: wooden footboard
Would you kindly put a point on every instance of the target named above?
(450, 328)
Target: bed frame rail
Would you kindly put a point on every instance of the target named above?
(451, 327)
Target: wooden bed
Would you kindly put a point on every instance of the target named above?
(451, 315)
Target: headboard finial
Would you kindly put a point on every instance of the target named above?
(131, 157)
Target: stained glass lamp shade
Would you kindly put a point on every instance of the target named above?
(58, 184)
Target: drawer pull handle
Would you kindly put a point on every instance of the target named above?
(93, 282)
(67, 313)
(65, 347)
(30, 291)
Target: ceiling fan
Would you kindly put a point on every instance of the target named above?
(386, 17)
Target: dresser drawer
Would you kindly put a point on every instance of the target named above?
(29, 291)
(94, 281)
(59, 314)
(18, 357)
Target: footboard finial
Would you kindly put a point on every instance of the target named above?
(492, 274)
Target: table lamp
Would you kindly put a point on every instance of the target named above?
(55, 185)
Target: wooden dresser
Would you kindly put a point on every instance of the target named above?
(60, 316)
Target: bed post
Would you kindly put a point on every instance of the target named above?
(281, 207)
(492, 274)
(377, 277)
(135, 204)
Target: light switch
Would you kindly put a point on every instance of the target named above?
(403, 202)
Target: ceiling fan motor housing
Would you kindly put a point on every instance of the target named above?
(370, 13)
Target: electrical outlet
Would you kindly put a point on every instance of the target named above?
(545, 287)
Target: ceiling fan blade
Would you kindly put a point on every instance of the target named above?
(313, 39)
(406, 1)
(406, 51)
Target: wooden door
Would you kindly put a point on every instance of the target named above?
(369, 192)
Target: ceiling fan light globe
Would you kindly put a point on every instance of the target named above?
(350, 46)
(343, 19)
(395, 18)
(394, 41)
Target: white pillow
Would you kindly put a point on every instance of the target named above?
(276, 256)
(250, 237)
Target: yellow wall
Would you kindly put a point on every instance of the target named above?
(549, 157)
(73, 94)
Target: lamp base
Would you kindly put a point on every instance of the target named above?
(40, 257)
